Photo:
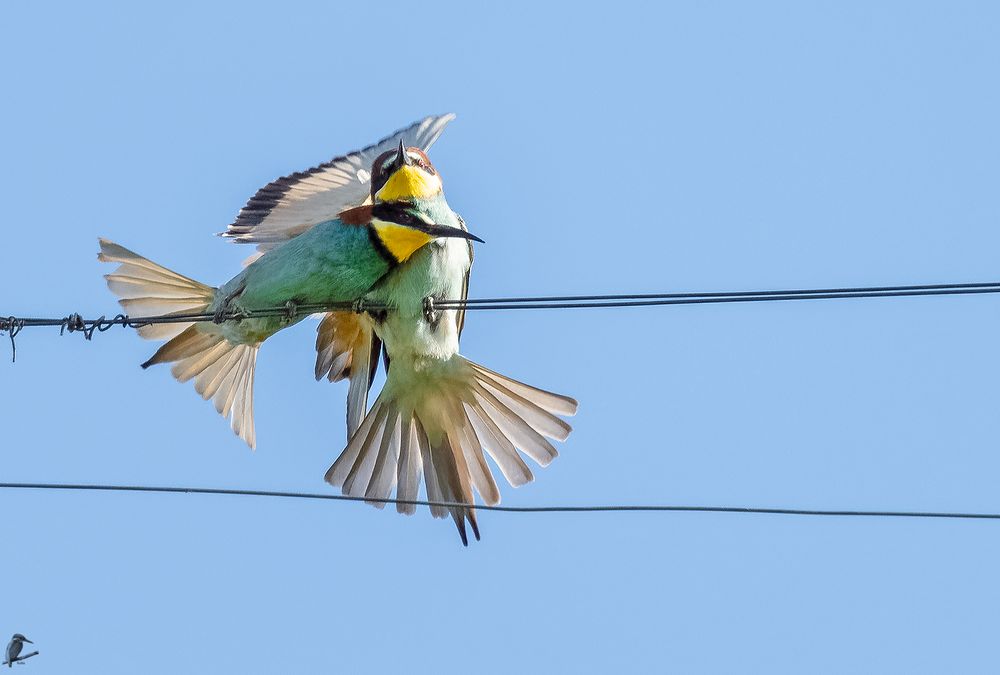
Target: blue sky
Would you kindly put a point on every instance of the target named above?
(615, 148)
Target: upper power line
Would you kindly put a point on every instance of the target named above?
(12, 324)
(75, 322)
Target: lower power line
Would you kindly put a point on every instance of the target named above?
(596, 508)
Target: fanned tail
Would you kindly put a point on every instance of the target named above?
(222, 370)
(440, 421)
(147, 289)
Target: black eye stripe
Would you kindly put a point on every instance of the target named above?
(393, 212)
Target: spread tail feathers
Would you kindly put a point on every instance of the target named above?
(147, 289)
(222, 371)
(438, 420)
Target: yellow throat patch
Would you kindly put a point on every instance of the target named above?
(409, 182)
(399, 240)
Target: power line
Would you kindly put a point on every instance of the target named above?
(953, 515)
(76, 323)
(854, 291)
(664, 299)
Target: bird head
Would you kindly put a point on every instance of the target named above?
(20, 638)
(403, 175)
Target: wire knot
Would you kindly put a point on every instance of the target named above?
(122, 320)
(13, 326)
(75, 323)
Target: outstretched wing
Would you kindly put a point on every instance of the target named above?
(288, 206)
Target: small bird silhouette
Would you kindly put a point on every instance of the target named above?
(14, 648)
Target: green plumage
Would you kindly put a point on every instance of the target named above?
(331, 262)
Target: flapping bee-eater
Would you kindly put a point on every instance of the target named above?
(337, 260)
(438, 412)
(346, 344)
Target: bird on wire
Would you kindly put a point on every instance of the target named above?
(14, 648)
(438, 413)
(346, 344)
(336, 260)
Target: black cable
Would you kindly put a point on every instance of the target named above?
(512, 509)
(75, 323)
(669, 296)
(699, 299)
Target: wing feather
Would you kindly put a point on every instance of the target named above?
(290, 205)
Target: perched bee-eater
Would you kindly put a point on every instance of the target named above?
(14, 648)
(346, 344)
(439, 412)
(336, 260)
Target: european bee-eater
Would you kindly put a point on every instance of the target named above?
(346, 344)
(14, 648)
(334, 261)
(438, 412)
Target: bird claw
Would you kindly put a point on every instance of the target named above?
(224, 307)
(430, 313)
(237, 314)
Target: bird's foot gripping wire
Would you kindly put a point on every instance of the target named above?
(224, 311)
(430, 312)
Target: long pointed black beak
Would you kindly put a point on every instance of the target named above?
(402, 157)
(28, 641)
(447, 231)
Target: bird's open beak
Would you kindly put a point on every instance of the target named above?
(446, 231)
